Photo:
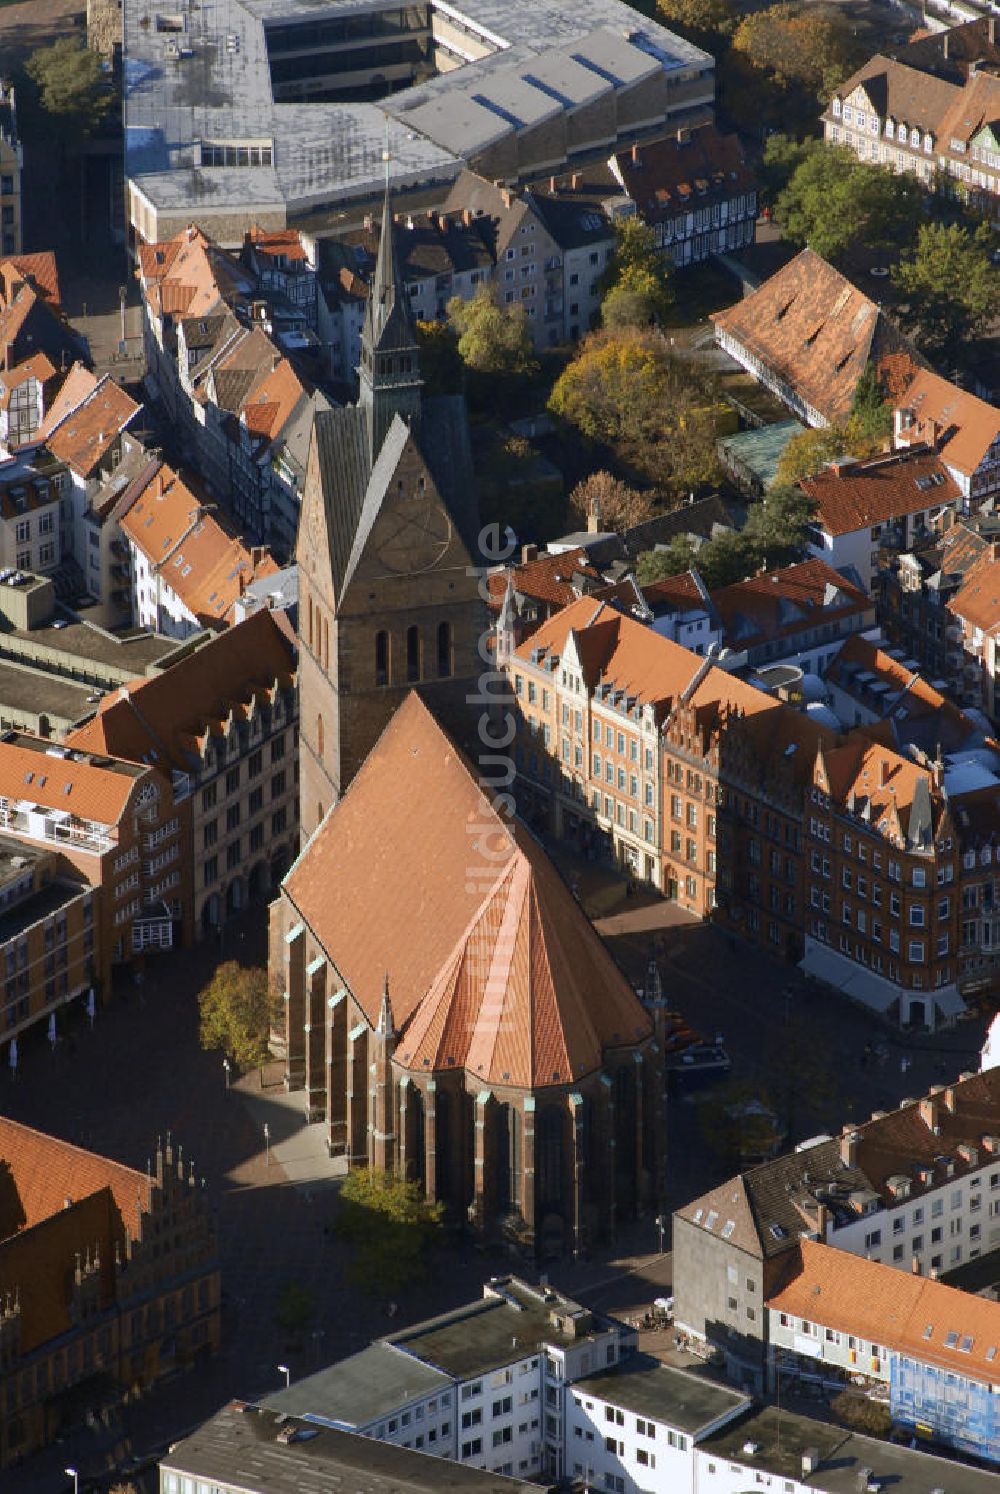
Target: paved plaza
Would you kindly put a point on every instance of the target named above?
(139, 1074)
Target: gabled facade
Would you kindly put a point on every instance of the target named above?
(186, 571)
(962, 429)
(106, 1274)
(946, 132)
(696, 191)
(864, 509)
(221, 722)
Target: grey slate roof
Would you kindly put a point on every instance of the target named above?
(239, 1449)
(650, 1388)
(357, 1390)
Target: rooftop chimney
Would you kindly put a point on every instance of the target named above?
(635, 154)
(948, 1099)
(574, 181)
(944, 46)
(929, 1113)
(915, 1265)
(528, 554)
(849, 1148)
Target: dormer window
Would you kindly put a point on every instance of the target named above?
(837, 108)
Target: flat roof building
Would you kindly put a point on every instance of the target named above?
(278, 112)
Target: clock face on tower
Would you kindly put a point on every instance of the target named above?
(415, 533)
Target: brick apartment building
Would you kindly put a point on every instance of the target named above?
(11, 166)
(116, 823)
(221, 722)
(109, 1281)
(50, 949)
(867, 852)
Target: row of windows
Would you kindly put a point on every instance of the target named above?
(414, 659)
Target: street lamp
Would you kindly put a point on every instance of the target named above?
(226, 1066)
(267, 1152)
(284, 1370)
(72, 1473)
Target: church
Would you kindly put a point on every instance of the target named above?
(451, 1014)
(388, 598)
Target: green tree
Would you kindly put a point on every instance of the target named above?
(391, 1227)
(492, 339)
(637, 279)
(870, 420)
(832, 201)
(440, 361)
(951, 287)
(677, 555)
(617, 505)
(782, 155)
(296, 1308)
(739, 1124)
(777, 528)
(809, 452)
(72, 86)
(236, 1008)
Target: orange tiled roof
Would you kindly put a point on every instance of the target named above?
(893, 1309)
(187, 275)
(921, 696)
(651, 668)
(781, 603)
(874, 773)
(975, 105)
(78, 787)
(489, 960)
(47, 1171)
(816, 331)
(162, 719)
(962, 426)
(266, 411)
(859, 494)
(39, 366)
(284, 241)
(85, 419)
(206, 566)
(681, 592)
(529, 996)
(977, 600)
(547, 578)
(40, 271)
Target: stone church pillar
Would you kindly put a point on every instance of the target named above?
(295, 1006)
(336, 1074)
(430, 1142)
(315, 1039)
(528, 1209)
(482, 1197)
(576, 1165)
(403, 1104)
(642, 1190)
(357, 1094)
(606, 1144)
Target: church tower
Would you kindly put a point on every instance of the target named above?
(388, 542)
(389, 373)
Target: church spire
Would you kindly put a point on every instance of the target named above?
(389, 374)
(386, 1026)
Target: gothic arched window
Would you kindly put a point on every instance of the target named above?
(382, 658)
(413, 653)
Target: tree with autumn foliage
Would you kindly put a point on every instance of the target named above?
(796, 46)
(627, 390)
(616, 505)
